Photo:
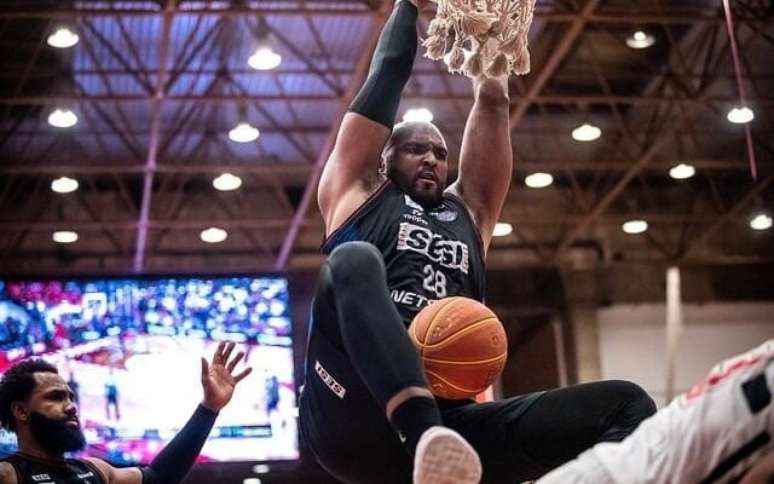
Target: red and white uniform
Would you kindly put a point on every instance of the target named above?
(712, 433)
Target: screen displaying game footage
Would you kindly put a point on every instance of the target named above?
(130, 350)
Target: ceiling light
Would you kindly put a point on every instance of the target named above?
(244, 133)
(213, 235)
(586, 132)
(62, 118)
(264, 59)
(418, 115)
(261, 468)
(740, 115)
(65, 236)
(64, 185)
(502, 229)
(63, 38)
(761, 222)
(635, 227)
(227, 182)
(251, 480)
(539, 180)
(640, 40)
(682, 171)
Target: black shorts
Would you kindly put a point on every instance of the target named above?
(352, 439)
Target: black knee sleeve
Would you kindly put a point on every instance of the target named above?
(636, 406)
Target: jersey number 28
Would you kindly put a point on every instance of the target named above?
(434, 281)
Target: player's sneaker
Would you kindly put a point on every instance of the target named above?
(444, 457)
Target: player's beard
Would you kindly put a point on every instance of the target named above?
(55, 434)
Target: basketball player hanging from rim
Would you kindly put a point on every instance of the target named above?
(398, 237)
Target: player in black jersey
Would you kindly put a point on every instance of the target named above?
(398, 238)
(37, 405)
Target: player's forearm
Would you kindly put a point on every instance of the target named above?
(176, 459)
(391, 66)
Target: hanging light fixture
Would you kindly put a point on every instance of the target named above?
(65, 236)
(586, 132)
(64, 185)
(243, 132)
(682, 171)
(502, 229)
(740, 115)
(264, 58)
(634, 227)
(640, 40)
(63, 38)
(539, 180)
(761, 221)
(213, 235)
(418, 115)
(62, 118)
(227, 182)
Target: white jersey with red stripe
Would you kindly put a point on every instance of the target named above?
(712, 433)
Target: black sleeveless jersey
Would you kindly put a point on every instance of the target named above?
(429, 253)
(31, 470)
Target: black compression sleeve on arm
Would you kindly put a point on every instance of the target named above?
(391, 66)
(177, 458)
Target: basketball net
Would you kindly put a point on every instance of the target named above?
(478, 37)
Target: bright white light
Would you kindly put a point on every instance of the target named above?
(244, 133)
(502, 229)
(65, 236)
(640, 40)
(264, 59)
(761, 222)
(586, 132)
(261, 468)
(418, 115)
(64, 185)
(62, 118)
(213, 235)
(227, 182)
(635, 226)
(539, 180)
(251, 480)
(741, 115)
(682, 171)
(63, 38)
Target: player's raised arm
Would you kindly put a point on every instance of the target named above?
(176, 459)
(486, 158)
(351, 172)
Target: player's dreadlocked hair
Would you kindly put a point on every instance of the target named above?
(17, 384)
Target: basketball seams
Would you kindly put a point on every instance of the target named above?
(467, 363)
(450, 302)
(452, 385)
(462, 332)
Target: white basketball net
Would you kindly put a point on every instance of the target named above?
(478, 37)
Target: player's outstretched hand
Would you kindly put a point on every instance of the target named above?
(218, 380)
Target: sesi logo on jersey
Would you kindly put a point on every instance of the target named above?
(451, 254)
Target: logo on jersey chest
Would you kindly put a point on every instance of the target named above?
(452, 254)
(41, 477)
(442, 213)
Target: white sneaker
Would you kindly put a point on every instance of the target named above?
(444, 457)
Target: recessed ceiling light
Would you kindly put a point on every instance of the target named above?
(64, 185)
(640, 40)
(635, 227)
(213, 235)
(227, 182)
(740, 115)
(62, 118)
(539, 180)
(264, 59)
(418, 115)
(244, 133)
(502, 229)
(761, 222)
(586, 132)
(63, 38)
(682, 171)
(65, 236)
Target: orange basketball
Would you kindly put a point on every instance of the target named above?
(462, 345)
